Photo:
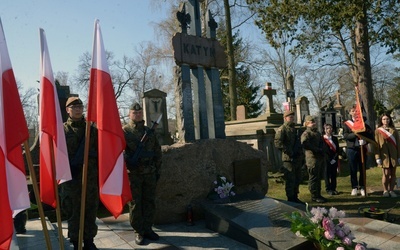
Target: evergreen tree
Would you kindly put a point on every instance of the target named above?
(247, 90)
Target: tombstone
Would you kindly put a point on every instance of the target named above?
(339, 112)
(154, 106)
(270, 113)
(302, 109)
(241, 113)
(256, 221)
(331, 114)
(269, 92)
(200, 113)
(290, 93)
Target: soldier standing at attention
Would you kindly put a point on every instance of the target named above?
(143, 174)
(314, 146)
(71, 191)
(287, 140)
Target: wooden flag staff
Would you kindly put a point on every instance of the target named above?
(55, 186)
(36, 192)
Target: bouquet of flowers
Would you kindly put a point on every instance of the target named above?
(222, 189)
(324, 228)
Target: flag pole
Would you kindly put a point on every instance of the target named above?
(363, 169)
(55, 185)
(84, 184)
(36, 192)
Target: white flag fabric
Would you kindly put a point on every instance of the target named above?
(51, 129)
(13, 133)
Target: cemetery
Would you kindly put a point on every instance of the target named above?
(242, 151)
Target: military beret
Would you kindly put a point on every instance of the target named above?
(309, 118)
(288, 112)
(135, 106)
(73, 101)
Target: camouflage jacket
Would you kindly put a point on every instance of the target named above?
(314, 146)
(75, 139)
(287, 140)
(150, 156)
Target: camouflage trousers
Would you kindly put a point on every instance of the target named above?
(292, 178)
(71, 193)
(142, 208)
(315, 175)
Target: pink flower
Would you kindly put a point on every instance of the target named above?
(340, 248)
(327, 224)
(347, 241)
(329, 235)
(359, 247)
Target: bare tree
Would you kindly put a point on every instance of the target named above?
(29, 103)
(122, 74)
(322, 84)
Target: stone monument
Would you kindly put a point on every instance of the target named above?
(302, 109)
(154, 106)
(200, 113)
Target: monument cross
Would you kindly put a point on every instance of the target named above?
(200, 113)
(269, 92)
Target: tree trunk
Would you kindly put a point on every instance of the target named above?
(363, 65)
(231, 61)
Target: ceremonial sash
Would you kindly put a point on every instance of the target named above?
(330, 143)
(387, 136)
(349, 124)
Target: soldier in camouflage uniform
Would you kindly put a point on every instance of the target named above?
(315, 152)
(287, 140)
(143, 174)
(71, 191)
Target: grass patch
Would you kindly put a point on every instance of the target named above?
(352, 205)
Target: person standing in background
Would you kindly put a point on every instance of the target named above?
(354, 145)
(332, 160)
(71, 191)
(387, 154)
(315, 151)
(287, 140)
(144, 172)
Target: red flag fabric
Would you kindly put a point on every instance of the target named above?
(102, 109)
(359, 125)
(13, 132)
(51, 129)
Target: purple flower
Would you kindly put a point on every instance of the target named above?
(340, 233)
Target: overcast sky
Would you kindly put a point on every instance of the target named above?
(69, 27)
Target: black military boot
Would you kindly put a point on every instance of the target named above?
(151, 235)
(75, 244)
(297, 200)
(20, 222)
(89, 245)
(291, 198)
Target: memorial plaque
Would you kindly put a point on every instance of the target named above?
(195, 51)
(259, 223)
(246, 171)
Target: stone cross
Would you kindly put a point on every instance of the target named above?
(338, 98)
(269, 92)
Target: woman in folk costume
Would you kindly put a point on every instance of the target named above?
(332, 160)
(387, 154)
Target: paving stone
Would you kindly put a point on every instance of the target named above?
(117, 234)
